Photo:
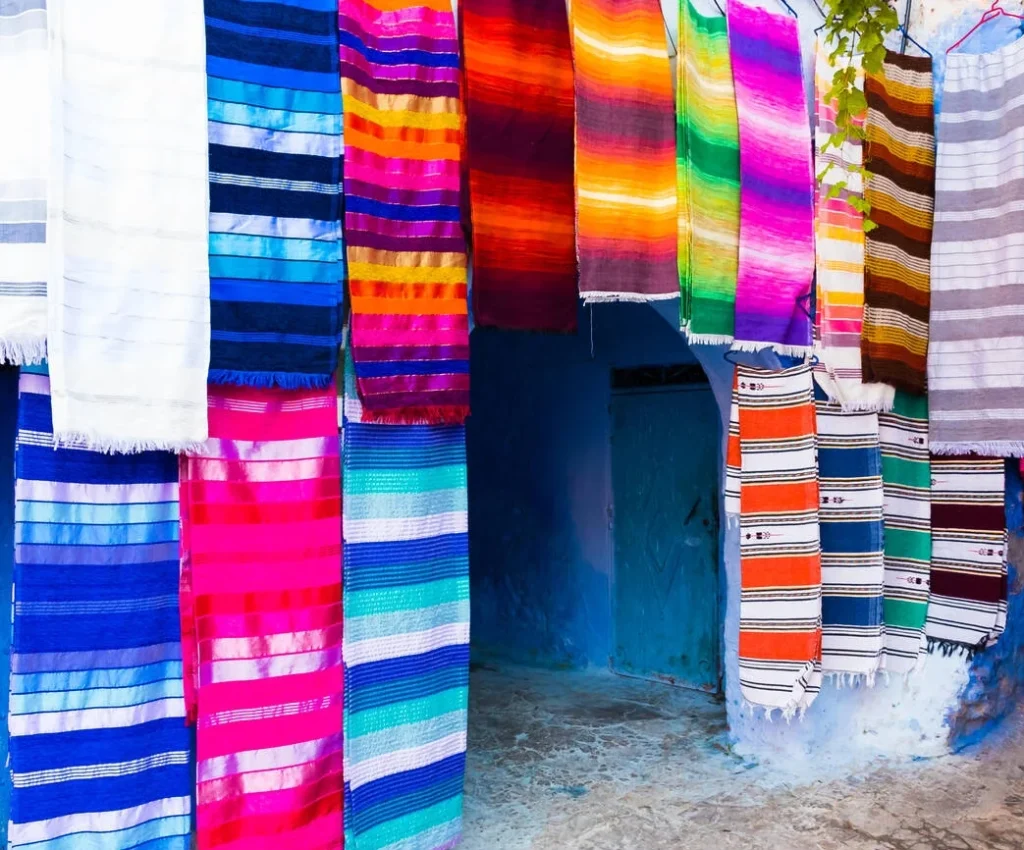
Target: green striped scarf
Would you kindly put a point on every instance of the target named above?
(708, 169)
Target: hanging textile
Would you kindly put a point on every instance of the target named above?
(900, 159)
(406, 633)
(839, 227)
(772, 486)
(906, 477)
(517, 61)
(129, 280)
(967, 604)
(406, 252)
(776, 262)
(626, 215)
(99, 751)
(708, 170)
(24, 163)
(852, 565)
(976, 347)
(275, 191)
(262, 619)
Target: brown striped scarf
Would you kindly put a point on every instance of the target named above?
(900, 160)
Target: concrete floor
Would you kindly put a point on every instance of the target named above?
(590, 761)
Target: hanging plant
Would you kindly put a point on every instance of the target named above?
(861, 26)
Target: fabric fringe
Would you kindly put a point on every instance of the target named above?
(22, 351)
(784, 350)
(708, 339)
(990, 448)
(949, 649)
(629, 297)
(269, 380)
(95, 443)
(453, 415)
(868, 407)
(844, 679)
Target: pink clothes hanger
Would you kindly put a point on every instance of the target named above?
(990, 14)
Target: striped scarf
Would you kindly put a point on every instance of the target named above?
(708, 167)
(906, 477)
(517, 62)
(967, 605)
(839, 228)
(406, 251)
(625, 152)
(772, 486)
(852, 565)
(99, 752)
(406, 633)
(900, 159)
(262, 620)
(275, 195)
(24, 162)
(975, 346)
(776, 263)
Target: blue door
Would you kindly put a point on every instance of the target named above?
(665, 458)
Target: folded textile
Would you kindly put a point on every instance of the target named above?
(852, 564)
(406, 251)
(900, 158)
(839, 313)
(708, 170)
(776, 262)
(275, 191)
(24, 164)
(906, 478)
(626, 215)
(99, 753)
(262, 619)
(967, 603)
(406, 634)
(517, 63)
(772, 487)
(976, 347)
(128, 287)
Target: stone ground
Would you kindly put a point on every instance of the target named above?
(585, 761)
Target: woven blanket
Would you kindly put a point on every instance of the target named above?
(99, 751)
(708, 168)
(900, 159)
(275, 191)
(852, 565)
(262, 619)
(772, 486)
(406, 251)
(517, 61)
(967, 605)
(626, 215)
(976, 345)
(839, 230)
(776, 263)
(128, 287)
(406, 634)
(24, 163)
(906, 479)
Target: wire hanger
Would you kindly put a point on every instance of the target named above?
(990, 14)
(789, 8)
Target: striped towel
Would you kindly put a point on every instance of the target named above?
(406, 251)
(906, 477)
(900, 159)
(99, 752)
(708, 167)
(262, 619)
(517, 61)
(852, 564)
(406, 634)
(772, 486)
(967, 605)
(626, 215)
(24, 163)
(275, 191)
(976, 323)
(776, 262)
(128, 289)
(839, 229)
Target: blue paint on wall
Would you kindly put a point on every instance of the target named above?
(8, 424)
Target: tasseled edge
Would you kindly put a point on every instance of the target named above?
(951, 649)
(270, 380)
(846, 679)
(785, 350)
(631, 297)
(988, 448)
(797, 710)
(22, 351)
(437, 415)
(128, 446)
(708, 339)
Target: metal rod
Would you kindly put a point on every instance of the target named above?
(906, 26)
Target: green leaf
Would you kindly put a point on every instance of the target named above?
(869, 225)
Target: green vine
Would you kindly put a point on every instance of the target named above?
(861, 26)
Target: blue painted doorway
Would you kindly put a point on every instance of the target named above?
(665, 458)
